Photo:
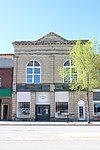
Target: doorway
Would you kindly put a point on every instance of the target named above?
(42, 112)
(81, 110)
(5, 112)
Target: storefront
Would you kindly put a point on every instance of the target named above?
(61, 104)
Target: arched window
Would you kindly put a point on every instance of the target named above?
(33, 72)
(70, 72)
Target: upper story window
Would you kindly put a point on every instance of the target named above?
(70, 72)
(33, 72)
(0, 82)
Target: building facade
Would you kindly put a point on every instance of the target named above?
(6, 80)
(39, 92)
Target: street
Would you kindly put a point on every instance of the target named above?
(49, 137)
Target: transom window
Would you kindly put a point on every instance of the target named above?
(70, 72)
(33, 72)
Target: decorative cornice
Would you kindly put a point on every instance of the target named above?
(49, 39)
(27, 43)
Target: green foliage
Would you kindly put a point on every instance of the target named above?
(61, 71)
(87, 61)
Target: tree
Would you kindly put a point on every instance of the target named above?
(87, 61)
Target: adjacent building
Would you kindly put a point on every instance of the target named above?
(39, 92)
(6, 80)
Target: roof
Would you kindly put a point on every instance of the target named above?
(50, 38)
(6, 55)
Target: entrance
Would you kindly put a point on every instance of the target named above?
(5, 112)
(81, 110)
(42, 112)
(81, 113)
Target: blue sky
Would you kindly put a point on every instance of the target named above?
(22, 20)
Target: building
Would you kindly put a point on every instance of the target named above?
(39, 93)
(6, 80)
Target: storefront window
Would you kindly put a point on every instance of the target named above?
(61, 109)
(24, 109)
(97, 109)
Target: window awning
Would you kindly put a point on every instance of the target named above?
(5, 92)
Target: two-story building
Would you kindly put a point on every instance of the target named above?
(39, 92)
(6, 80)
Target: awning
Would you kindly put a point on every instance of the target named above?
(5, 92)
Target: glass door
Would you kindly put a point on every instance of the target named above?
(43, 112)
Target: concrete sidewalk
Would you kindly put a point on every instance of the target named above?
(28, 123)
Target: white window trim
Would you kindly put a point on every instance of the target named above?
(93, 106)
(33, 71)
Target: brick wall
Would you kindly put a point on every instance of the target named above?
(6, 75)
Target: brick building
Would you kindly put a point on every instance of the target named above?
(39, 93)
(6, 80)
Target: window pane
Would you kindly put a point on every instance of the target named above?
(30, 63)
(29, 70)
(67, 63)
(36, 78)
(81, 114)
(74, 70)
(39, 110)
(29, 78)
(23, 109)
(36, 63)
(67, 74)
(36, 70)
(67, 79)
(74, 78)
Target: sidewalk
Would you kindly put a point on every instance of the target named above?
(28, 123)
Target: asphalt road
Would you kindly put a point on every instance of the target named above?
(49, 137)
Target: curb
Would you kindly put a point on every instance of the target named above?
(46, 124)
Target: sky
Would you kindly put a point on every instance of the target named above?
(29, 20)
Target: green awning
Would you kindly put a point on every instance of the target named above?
(5, 92)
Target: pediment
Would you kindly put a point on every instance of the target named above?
(51, 37)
